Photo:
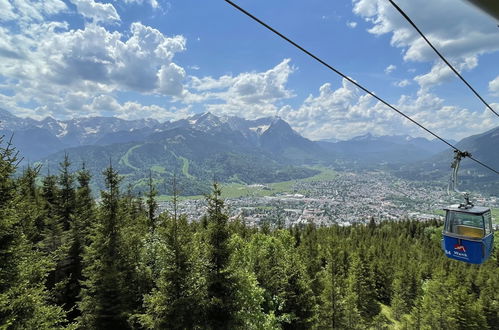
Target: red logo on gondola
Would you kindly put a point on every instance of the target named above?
(460, 247)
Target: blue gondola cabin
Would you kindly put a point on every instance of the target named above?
(468, 235)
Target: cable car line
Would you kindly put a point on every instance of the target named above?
(352, 81)
(408, 19)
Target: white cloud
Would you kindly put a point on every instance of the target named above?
(48, 63)
(170, 79)
(352, 25)
(98, 12)
(458, 31)
(347, 112)
(6, 11)
(403, 83)
(153, 3)
(28, 11)
(57, 70)
(389, 69)
(445, 120)
(341, 113)
(440, 72)
(250, 95)
(133, 110)
(494, 86)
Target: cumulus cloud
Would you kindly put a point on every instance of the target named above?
(460, 32)
(98, 12)
(440, 72)
(27, 11)
(403, 83)
(389, 69)
(494, 86)
(250, 94)
(133, 110)
(347, 112)
(340, 113)
(352, 25)
(153, 3)
(46, 62)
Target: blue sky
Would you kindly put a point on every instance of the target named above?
(170, 59)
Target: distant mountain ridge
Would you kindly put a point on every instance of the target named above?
(484, 147)
(205, 146)
(37, 139)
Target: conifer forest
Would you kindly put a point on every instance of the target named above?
(69, 261)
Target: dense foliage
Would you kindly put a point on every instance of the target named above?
(69, 262)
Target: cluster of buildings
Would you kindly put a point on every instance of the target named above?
(347, 198)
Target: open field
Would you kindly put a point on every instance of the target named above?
(236, 190)
(124, 160)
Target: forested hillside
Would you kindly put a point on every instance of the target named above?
(69, 262)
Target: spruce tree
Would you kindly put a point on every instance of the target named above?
(152, 205)
(24, 300)
(222, 300)
(102, 305)
(66, 195)
(82, 221)
(331, 300)
(405, 291)
(31, 207)
(361, 288)
(180, 297)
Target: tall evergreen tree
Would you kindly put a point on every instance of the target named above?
(361, 288)
(222, 300)
(102, 304)
(55, 239)
(405, 292)
(82, 221)
(152, 205)
(24, 300)
(66, 201)
(180, 297)
(332, 309)
(30, 208)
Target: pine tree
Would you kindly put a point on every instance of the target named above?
(102, 304)
(66, 194)
(24, 300)
(299, 298)
(55, 240)
(82, 221)
(310, 254)
(405, 292)
(489, 297)
(85, 210)
(53, 237)
(446, 304)
(332, 306)
(222, 305)
(179, 299)
(152, 205)
(361, 288)
(31, 209)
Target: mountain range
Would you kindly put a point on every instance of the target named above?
(204, 147)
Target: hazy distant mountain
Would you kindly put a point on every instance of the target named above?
(370, 150)
(197, 149)
(36, 139)
(484, 147)
(205, 146)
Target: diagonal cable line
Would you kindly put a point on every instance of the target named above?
(442, 57)
(350, 80)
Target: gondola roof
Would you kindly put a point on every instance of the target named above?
(473, 210)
